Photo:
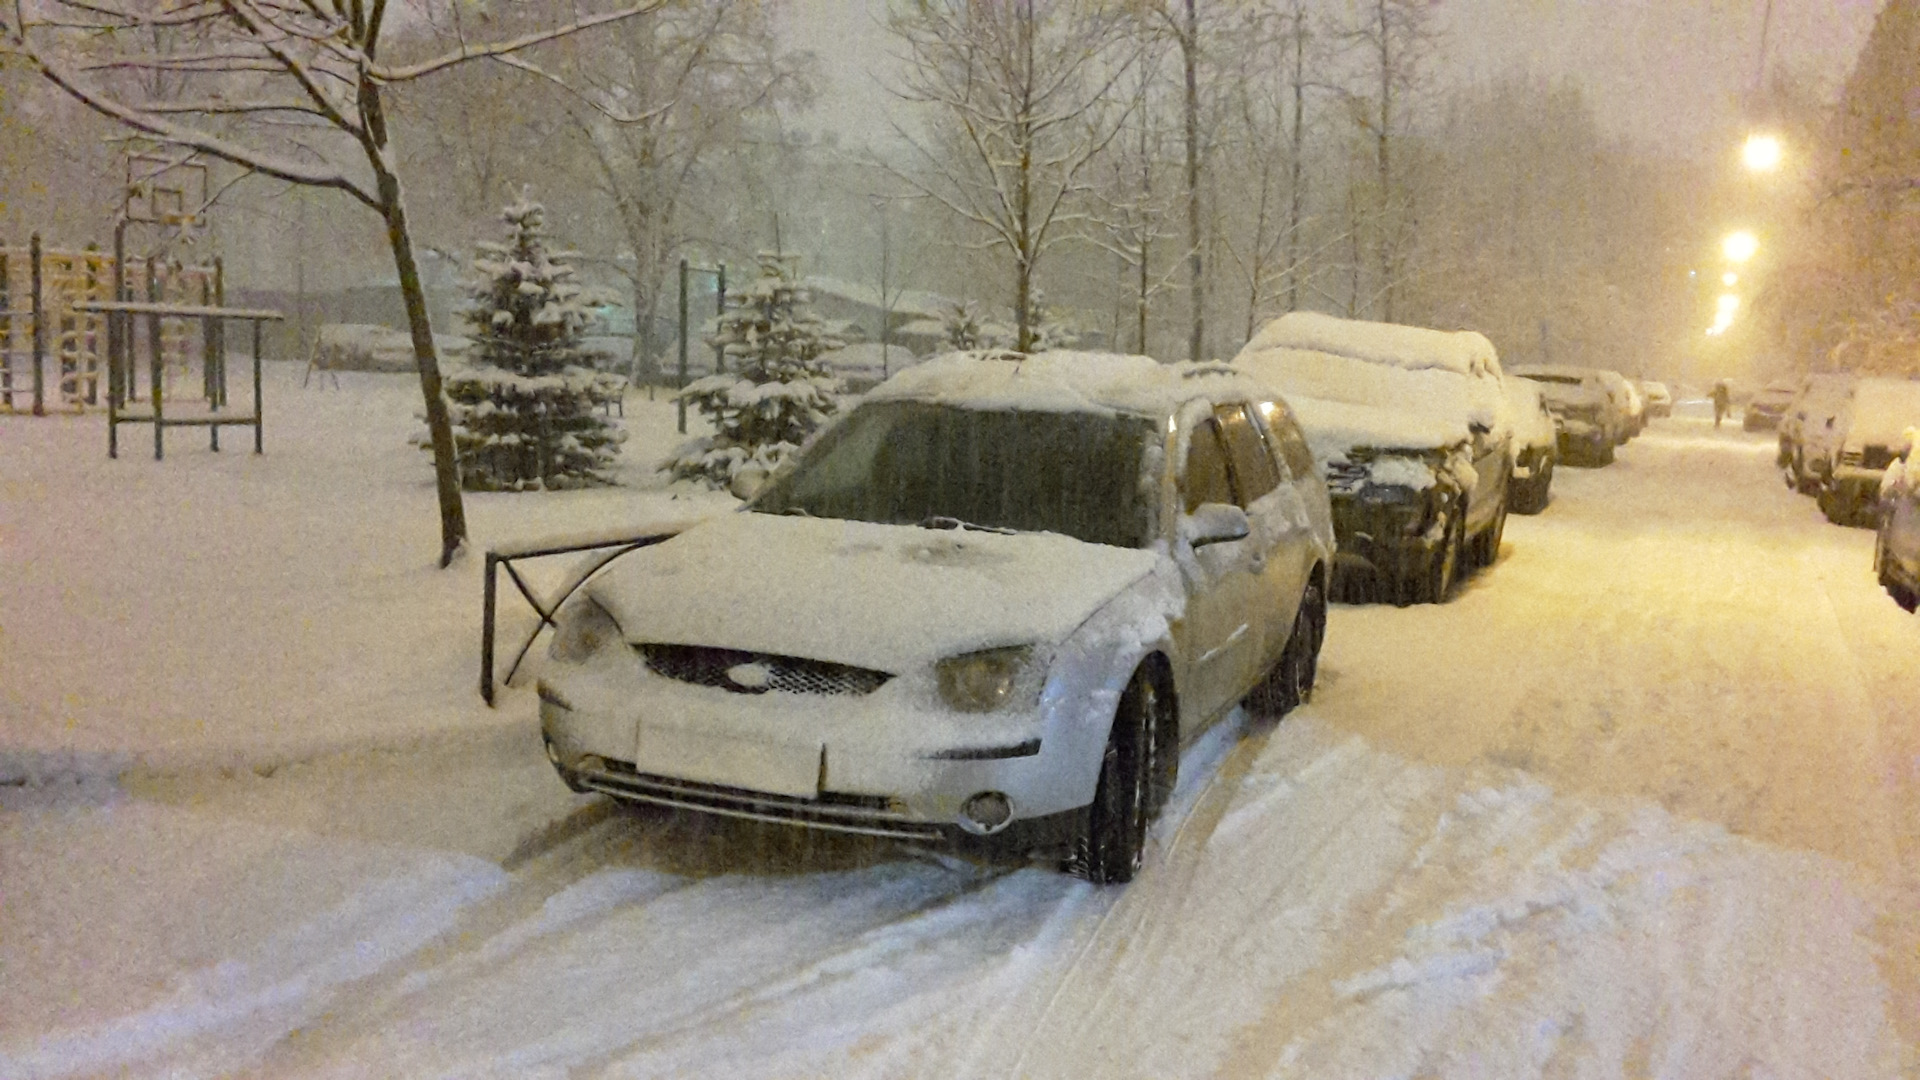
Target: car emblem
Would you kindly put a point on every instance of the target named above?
(751, 676)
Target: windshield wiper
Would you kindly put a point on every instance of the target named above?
(942, 521)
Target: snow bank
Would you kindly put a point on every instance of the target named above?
(1414, 348)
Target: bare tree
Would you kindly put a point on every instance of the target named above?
(1268, 78)
(289, 90)
(1179, 20)
(1133, 205)
(700, 74)
(1019, 91)
(1398, 38)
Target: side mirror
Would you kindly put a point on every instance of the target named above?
(1215, 523)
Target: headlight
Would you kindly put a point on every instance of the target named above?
(583, 628)
(986, 680)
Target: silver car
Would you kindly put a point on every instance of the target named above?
(991, 603)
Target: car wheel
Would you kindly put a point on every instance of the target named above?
(1486, 546)
(1605, 456)
(1116, 830)
(1289, 683)
(1531, 497)
(1443, 569)
(1830, 506)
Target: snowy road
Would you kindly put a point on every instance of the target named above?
(1643, 801)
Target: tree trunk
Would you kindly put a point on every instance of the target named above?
(1190, 49)
(1295, 179)
(446, 466)
(1385, 237)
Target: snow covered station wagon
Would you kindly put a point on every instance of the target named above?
(989, 604)
(1415, 432)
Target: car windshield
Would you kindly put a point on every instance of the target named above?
(907, 463)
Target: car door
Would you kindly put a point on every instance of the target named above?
(1221, 638)
(1278, 520)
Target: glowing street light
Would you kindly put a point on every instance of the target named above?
(1762, 153)
(1740, 246)
(1729, 279)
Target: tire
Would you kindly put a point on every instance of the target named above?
(1830, 506)
(1135, 773)
(1289, 683)
(1443, 569)
(1486, 546)
(1531, 496)
(1605, 456)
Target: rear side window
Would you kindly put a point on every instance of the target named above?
(1207, 480)
(1253, 467)
(1291, 441)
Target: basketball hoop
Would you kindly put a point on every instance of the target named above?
(167, 192)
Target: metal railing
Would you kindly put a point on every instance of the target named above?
(611, 545)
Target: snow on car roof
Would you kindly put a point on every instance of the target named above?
(1464, 352)
(1065, 381)
(1404, 408)
(1333, 428)
(1882, 411)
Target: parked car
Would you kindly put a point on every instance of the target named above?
(1659, 398)
(1414, 433)
(1764, 410)
(988, 605)
(1581, 408)
(1536, 446)
(1896, 543)
(1627, 405)
(1809, 418)
(1869, 430)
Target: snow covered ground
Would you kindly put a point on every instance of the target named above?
(1643, 801)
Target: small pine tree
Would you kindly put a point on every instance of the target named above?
(778, 391)
(1050, 329)
(961, 322)
(523, 405)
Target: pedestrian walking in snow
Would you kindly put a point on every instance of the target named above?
(1720, 400)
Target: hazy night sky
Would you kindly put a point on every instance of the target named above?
(1668, 72)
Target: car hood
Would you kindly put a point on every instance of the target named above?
(887, 597)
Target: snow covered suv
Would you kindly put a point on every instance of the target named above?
(1414, 431)
(990, 603)
(1806, 428)
(1589, 427)
(1870, 431)
(1536, 446)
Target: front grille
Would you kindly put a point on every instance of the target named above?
(870, 815)
(1347, 476)
(1850, 457)
(758, 673)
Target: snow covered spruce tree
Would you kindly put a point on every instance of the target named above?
(523, 405)
(777, 393)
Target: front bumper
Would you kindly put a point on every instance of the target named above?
(1854, 490)
(1755, 420)
(1579, 440)
(888, 763)
(1385, 541)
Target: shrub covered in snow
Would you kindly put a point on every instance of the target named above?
(777, 392)
(524, 403)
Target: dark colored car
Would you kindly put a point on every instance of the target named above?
(1764, 410)
(1581, 406)
(1870, 432)
(1414, 432)
(1896, 545)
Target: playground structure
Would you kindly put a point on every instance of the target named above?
(55, 344)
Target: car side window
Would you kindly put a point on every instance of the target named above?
(1288, 438)
(1253, 467)
(1206, 478)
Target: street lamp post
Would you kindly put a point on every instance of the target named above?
(720, 308)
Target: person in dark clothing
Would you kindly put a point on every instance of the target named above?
(1721, 398)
